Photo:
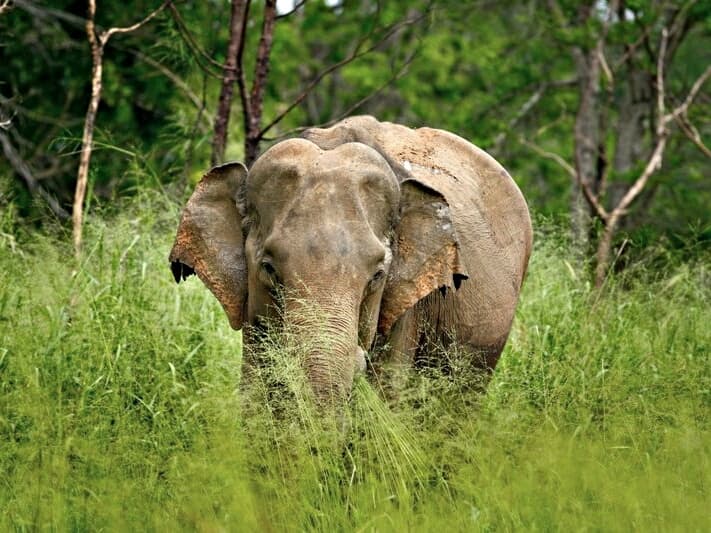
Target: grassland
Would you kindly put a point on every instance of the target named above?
(120, 407)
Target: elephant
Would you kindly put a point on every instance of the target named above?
(401, 237)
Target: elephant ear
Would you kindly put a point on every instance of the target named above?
(427, 255)
(209, 242)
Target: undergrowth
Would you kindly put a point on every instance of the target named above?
(120, 405)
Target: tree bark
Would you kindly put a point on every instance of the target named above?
(586, 138)
(256, 97)
(589, 158)
(88, 135)
(230, 73)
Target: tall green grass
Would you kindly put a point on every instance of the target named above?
(120, 407)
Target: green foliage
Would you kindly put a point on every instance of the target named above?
(471, 68)
(120, 405)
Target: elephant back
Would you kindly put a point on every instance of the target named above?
(489, 213)
(491, 219)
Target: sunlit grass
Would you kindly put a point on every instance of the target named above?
(120, 405)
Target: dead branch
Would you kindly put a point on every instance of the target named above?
(133, 27)
(6, 6)
(631, 49)
(693, 93)
(692, 134)
(355, 54)
(529, 104)
(589, 195)
(605, 67)
(23, 170)
(660, 81)
(401, 72)
(296, 7)
(97, 44)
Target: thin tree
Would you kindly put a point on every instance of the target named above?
(252, 98)
(231, 71)
(612, 218)
(97, 42)
(589, 169)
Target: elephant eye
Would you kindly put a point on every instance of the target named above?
(379, 274)
(268, 268)
(268, 273)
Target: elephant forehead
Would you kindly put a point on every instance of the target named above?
(296, 159)
(296, 176)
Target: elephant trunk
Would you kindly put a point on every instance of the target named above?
(331, 355)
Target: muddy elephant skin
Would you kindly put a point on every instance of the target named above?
(390, 232)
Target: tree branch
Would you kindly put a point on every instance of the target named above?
(693, 134)
(23, 169)
(105, 36)
(97, 45)
(693, 92)
(631, 49)
(589, 196)
(198, 52)
(401, 72)
(357, 53)
(172, 76)
(523, 111)
(654, 162)
(296, 7)
(6, 6)
(660, 82)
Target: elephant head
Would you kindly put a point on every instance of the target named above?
(336, 223)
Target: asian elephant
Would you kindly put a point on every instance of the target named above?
(390, 231)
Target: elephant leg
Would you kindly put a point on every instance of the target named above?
(453, 341)
(391, 368)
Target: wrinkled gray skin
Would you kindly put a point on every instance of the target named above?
(390, 232)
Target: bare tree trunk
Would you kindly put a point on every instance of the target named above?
(654, 162)
(590, 160)
(252, 102)
(254, 119)
(88, 136)
(586, 138)
(230, 73)
(98, 43)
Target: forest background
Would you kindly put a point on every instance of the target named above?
(117, 390)
(563, 93)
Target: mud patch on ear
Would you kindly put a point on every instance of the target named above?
(427, 256)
